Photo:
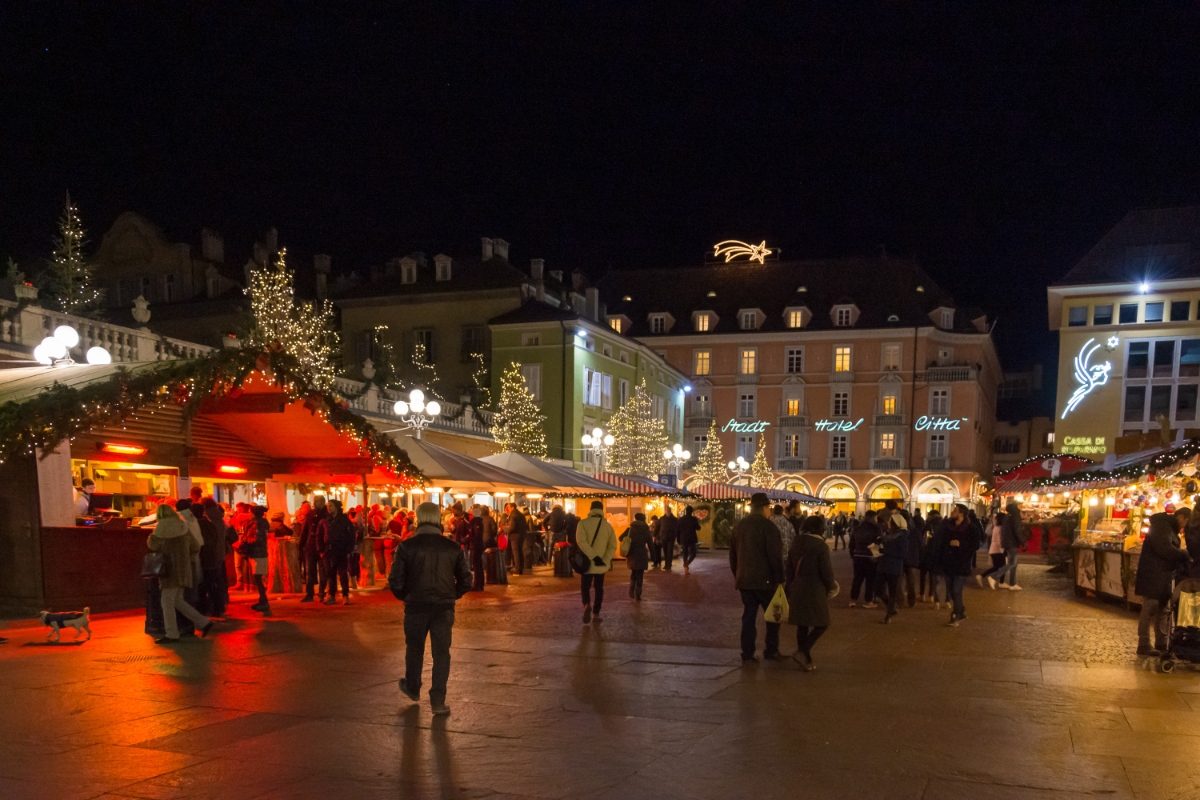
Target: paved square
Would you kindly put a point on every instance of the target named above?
(1037, 695)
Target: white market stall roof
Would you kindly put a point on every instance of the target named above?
(640, 486)
(24, 383)
(446, 468)
(564, 479)
(733, 491)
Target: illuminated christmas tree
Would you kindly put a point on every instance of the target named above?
(426, 371)
(306, 331)
(518, 426)
(640, 437)
(710, 465)
(760, 471)
(386, 373)
(69, 281)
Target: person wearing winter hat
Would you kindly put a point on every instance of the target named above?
(172, 538)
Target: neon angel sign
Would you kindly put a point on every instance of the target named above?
(1089, 376)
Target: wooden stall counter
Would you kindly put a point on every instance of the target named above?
(98, 567)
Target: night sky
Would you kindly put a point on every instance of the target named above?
(995, 147)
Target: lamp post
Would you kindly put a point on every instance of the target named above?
(415, 413)
(599, 443)
(55, 350)
(676, 457)
(738, 467)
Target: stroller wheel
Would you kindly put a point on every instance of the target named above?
(1166, 666)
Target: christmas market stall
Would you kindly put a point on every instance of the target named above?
(1115, 502)
(569, 484)
(248, 422)
(451, 476)
(638, 493)
(723, 504)
(1050, 515)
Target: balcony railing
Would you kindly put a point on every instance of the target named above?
(889, 420)
(793, 421)
(380, 402)
(888, 464)
(842, 377)
(958, 372)
(791, 464)
(839, 463)
(937, 462)
(698, 421)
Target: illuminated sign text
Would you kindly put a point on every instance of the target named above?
(1085, 445)
(1089, 376)
(758, 426)
(838, 425)
(938, 424)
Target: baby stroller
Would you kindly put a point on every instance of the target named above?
(1183, 642)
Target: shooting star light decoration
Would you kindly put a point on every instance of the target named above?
(732, 248)
(1089, 376)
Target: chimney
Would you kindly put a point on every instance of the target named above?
(501, 248)
(321, 266)
(212, 246)
(593, 304)
(488, 248)
(537, 269)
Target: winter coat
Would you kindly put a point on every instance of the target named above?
(997, 544)
(668, 528)
(638, 534)
(810, 580)
(310, 538)
(193, 526)
(172, 538)
(339, 535)
(257, 548)
(556, 521)
(689, 530)
(756, 554)
(429, 570)
(895, 547)
(1010, 531)
(212, 554)
(865, 534)
(953, 548)
(1160, 558)
(459, 529)
(475, 540)
(517, 525)
(490, 530)
(595, 537)
(787, 531)
(915, 542)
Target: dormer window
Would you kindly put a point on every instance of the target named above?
(441, 265)
(943, 317)
(749, 319)
(660, 323)
(796, 317)
(408, 270)
(704, 321)
(619, 322)
(844, 316)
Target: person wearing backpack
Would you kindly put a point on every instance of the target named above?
(595, 539)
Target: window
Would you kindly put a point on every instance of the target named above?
(531, 339)
(702, 323)
(841, 358)
(1154, 312)
(624, 356)
(1006, 445)
(533, 379)
(841, 404)
(791, 445)
(947, 317)
(841, 317)
(1102, 315)
(623, 388)
(1077, 315)
(838, 445)
(745, 447)
(748, 320)
(658, 323)
(606, 350)
(937, 445)
(945, 356)
(748, 361)
(615, 323)
(1189, 358)
(1160, 402)
(1128, 313)
(423, 342)
(795, 360)
(888, 404)
(791, 407)
(702, 362)
(591, 387)
(887, 445)
(1138, 363)
(699, 442)
(441, 269)
(147, 289)
(606, 391)
(1049, 438)
(794, 319)
(747, 405)
(1185, 403)
(701, 406)
(1135, 403)
(1164, 358)
(891, 357)
(474, 340)
(939, 402)
(408, 272)
(1180, 310)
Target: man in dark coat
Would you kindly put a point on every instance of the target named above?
(1160, 558)
(756, 560)
(556, 525)
(689, 537)
(894, 541)
(912, 557)
(312, 549)
(954, 549)
(340, 537)
(212, 558)
(429, 573)
(668, 532)
(518, 533)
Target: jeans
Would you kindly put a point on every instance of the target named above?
(689, 553)
(668, 544)
(315, 571)
(864, 575)
(957, 582)
(338, 569)
(887, 587)
(434, 622)
(172, 601)
(585, 589)
(1010, 566)
(997, 565)
(910, 585)
(517, 543)
(1154, 613)
(636, 578)
(752, 601)
(656, 553)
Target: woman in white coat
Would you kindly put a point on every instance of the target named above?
(595, 539)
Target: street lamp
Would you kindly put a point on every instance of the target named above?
(55, 350)
(676, 457)
(739, 467)
(415, 413)
(600, 443)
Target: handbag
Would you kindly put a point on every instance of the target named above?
(580, 562)
(626, 544)
(155, 565)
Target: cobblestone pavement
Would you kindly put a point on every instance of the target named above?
(1037, 695)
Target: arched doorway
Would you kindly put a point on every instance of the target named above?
(842, 494)
(936, 492)
(883, 491)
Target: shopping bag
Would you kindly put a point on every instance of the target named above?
(626, 542)
(778, 610)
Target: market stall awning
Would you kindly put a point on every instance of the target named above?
(446, 468)
(564, 479)
(640, 486)
(1129, 468)
(733, 491)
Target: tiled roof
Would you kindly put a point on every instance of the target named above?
(1148, 244)
(884, 289)
(534, 311)
(465, 275)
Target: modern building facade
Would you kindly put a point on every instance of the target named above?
(1128, 322)
(580, 371)
(868, 381)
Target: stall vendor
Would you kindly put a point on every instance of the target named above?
(83, 497)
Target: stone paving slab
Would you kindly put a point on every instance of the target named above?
(1037, 695)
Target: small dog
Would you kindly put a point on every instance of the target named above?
(57, 620)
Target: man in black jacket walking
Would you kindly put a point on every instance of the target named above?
(756, 560)
(429, 573)
(340, 537)
(668, 530)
